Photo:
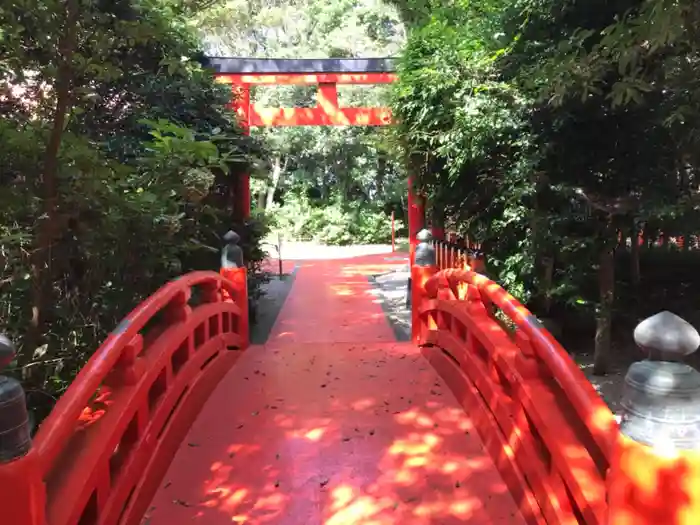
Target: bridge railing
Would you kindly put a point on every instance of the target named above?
(557, 444)
(542, 421)
(103, 450)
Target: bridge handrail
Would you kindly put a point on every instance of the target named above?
(564, 370)
(101, 453)
(544, 425)
(56, 429)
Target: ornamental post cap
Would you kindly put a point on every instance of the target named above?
(425, 251)
(424, 235)
(7, 351)
(231, 237)
(668, 335)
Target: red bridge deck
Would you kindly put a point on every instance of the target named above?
(332, 422)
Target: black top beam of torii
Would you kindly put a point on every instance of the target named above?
(280, 66)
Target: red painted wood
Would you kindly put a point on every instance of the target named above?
(332, 302)
(307, 78)
(333, 422)
(500, 447)
(326, 113)
(552, 425)
(241, 103)
(327, 98)
(319, 116)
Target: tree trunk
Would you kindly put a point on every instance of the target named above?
(544, 261)
(47, 227)
(277, 169)
(381, 173)
(635, 272)
(547, 283)
(606, 283)
(438, 219)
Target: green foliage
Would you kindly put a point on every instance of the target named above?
(467, 134)
(336, 223)
(542, 128)
(339, 164)
(145, 154)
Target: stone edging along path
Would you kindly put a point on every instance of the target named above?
(390, 289)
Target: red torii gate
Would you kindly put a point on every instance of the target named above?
(326, 73)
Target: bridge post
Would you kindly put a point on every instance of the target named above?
(22, 498)
(654, 474)
(424, 267)
(241, 104)
(233, 268)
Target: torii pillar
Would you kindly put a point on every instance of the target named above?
(241, 104)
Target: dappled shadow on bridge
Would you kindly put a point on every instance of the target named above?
(331, 302)
(335, 435)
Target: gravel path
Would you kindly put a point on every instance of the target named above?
(296, 251)
(391, 290)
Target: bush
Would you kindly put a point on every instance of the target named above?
(339, 223)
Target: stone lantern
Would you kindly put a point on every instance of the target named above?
(15, 438)
(425, 251)
(424, 256)
(661, 397)
(655, 460)
(232, 254)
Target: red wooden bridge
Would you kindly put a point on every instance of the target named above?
(481, 418)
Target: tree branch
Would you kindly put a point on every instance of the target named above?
(616, 206)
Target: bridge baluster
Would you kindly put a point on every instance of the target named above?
(655, 473)
(126, 370)
(179, 309)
